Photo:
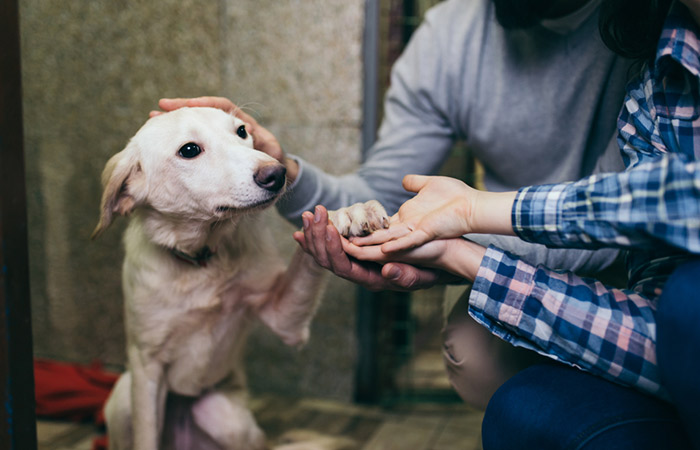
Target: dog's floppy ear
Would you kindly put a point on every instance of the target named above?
(122, 181)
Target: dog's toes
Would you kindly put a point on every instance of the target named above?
(360, 219)
(342, 221)
(376, 216)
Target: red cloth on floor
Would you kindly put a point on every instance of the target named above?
(72, 391)
(100, 443)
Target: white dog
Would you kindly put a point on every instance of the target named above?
(199, 266)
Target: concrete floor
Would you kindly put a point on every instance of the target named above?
(410, 426)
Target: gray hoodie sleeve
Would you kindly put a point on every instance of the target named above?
(415, 137)
(575, 260)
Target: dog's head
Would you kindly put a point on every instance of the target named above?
(190, 164)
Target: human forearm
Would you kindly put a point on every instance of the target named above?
(568, 318)
(492, 213)
(462, 258)
(571, 259)
(650, 204)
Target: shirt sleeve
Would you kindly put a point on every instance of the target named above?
(578, 321)
(416, 135)
(651, 204)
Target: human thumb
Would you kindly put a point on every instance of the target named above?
(414, 183)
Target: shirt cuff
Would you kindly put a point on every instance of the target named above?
(300, 195)
(502, 286)
(537, 213)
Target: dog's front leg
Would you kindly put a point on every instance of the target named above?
(148, 394)
(293, 299)
(297, 292)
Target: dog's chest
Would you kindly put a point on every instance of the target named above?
(205, 348)
(194, 320)
(196, 323)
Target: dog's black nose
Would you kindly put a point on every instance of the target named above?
(270, 177)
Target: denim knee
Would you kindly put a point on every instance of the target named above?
(551, 406)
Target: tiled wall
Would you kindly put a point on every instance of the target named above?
(92, 70)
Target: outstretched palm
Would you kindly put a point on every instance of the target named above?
(440, 210)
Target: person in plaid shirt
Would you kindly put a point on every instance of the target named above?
(643, 336)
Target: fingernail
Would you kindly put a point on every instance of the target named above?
(305, 220)
(317, 215)
(328, 236)
(394, 273)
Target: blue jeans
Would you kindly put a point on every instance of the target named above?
(552, 406)
(678, 344)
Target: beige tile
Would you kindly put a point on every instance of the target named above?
(65, 435)
(49, 431)
(460, 432)
(400, 436)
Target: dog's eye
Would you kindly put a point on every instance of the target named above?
(241, 132)
(189, 150)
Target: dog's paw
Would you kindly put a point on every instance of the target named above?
(360, 219)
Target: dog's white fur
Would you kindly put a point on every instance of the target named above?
(186, 324)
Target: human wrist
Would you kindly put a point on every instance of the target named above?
(492, 213)
(292, 167)
(463, 259)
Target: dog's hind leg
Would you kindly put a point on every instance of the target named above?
(225, 418)
(118, 415)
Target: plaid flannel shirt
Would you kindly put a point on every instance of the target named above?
(652, 209)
